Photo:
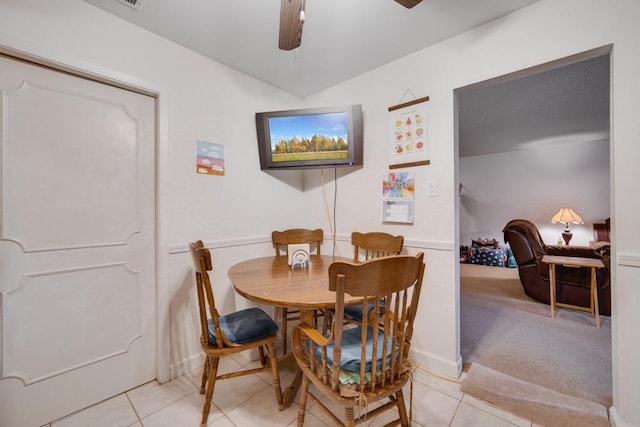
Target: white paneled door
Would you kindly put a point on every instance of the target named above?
(77, 242)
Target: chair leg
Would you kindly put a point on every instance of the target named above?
(205, 374)
(402, 409)
(326, 321)
(302, 406)
(213, 372)
(349, 419)
(262, 356)
(276, 375)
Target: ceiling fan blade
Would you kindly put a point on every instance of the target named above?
(408, 3)
(290, 24)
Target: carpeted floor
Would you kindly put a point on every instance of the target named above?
(542, 405)
(504, 330)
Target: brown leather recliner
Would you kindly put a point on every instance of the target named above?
(572, 284)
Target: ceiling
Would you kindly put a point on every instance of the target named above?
(565, 104)
(342, 39)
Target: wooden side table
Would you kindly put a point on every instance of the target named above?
(592, 263)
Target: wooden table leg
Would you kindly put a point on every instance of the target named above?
(552, 289)
(289, 393)
(594, 296)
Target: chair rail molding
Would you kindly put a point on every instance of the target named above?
(178, 248)
(629, 260)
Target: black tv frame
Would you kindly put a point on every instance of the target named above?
(354, 138)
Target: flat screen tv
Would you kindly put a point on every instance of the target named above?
(310, 138)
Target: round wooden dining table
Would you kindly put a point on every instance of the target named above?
(272, 281)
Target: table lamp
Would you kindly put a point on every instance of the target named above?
(566, 216)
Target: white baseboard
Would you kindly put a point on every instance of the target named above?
(437, 365)
(186, 365)
(615, 420)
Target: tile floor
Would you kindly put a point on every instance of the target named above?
(250, 401)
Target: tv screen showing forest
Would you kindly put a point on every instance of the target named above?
(309, 137)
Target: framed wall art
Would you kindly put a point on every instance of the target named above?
(408, 134)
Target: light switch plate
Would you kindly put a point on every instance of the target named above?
(432, 189)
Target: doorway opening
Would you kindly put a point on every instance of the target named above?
(527, 144)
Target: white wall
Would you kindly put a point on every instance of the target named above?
(533, 184)
(202, 100)
(544, 32)
(236, 213)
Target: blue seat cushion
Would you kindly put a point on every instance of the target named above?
(355, 311)
(350, 349)
(244, 326)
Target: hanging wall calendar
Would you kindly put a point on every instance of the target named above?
(397, 197)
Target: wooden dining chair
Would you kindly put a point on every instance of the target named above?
(281, 241)
(371, 245)
(229, 334)
(357, 366)
(375, 244)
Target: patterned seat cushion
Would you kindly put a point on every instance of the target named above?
(350, 350)
(494, 257)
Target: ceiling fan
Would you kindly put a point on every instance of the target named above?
(292, 18)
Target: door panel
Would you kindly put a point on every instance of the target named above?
(77, 242)
(87, 182)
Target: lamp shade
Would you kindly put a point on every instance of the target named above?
(566, 216)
